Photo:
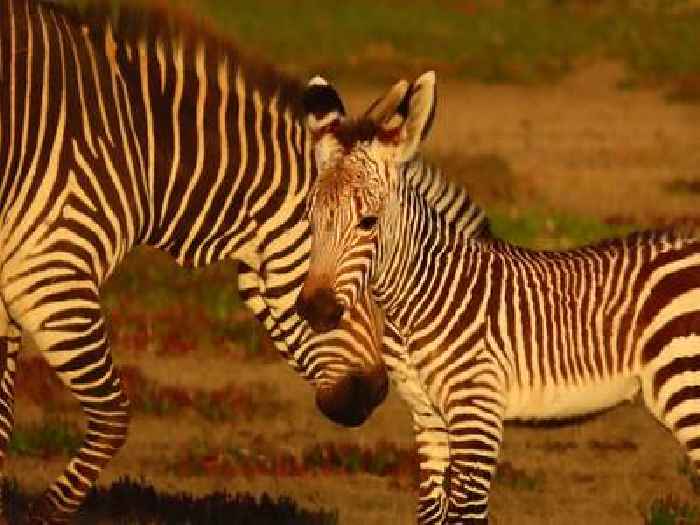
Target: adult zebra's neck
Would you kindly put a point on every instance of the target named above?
(223, 144)
(184, 143)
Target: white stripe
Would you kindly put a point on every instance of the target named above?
(200, 65)
(178, 67)
(98, 85)
(151, 147)
(223, 73)
(87, 130)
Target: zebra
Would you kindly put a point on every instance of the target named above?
(138, 131)
(492, 331)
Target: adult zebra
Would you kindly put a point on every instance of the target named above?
(493, 331)
(114, 134)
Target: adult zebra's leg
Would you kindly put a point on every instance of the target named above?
(10, 344)
(432, 441)
(250, 288)
(68, 327)
(474, 412)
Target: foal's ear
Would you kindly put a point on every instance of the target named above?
(324, 112)
(418, 110)
(383, 111)
(405, 114)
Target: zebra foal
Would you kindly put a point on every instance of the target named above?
(117, 134)
(491, 331)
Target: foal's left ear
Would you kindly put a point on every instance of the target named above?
(324, 112)
(417, 110)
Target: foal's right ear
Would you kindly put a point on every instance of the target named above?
(324, 112)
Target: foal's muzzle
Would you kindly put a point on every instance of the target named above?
(320, 309)
(353, 399)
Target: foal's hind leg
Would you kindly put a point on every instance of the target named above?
(10, 343)
(671, 391)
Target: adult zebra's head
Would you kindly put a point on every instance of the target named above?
(359, 163)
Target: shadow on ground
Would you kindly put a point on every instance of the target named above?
(130, 502)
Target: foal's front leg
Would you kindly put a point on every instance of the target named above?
(433, 450)
(475, 428)
(431, 436)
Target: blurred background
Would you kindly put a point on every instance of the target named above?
(569, 120)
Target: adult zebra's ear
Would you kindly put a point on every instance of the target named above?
(324, 112)
(416, 113)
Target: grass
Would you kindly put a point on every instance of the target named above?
(523, 41)
(671, 511)
(685, 468)
(326, 459)
(228, 403)
(48, 438)
(127, 502)
(156, 306)
(539, 229)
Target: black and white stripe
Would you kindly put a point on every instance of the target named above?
(114, 135)
(481, 331)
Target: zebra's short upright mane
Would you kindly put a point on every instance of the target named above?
(449, 199)
(133, 22)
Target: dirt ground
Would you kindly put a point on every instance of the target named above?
(583, 147)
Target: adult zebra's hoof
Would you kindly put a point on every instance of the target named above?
(43, 512)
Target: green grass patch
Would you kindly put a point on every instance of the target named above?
(686, 468)
(49, 438)
(671, 511)
(327, 459)
(511, 41)
(540, 230)
(156, 306)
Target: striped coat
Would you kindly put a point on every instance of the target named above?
(486, 331)
(144, 132)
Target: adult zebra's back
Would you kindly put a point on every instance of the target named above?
(113, 136)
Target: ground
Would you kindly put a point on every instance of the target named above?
(581, 147)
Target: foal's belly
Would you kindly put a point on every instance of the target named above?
(554, 402)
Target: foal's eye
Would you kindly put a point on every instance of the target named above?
(368, 223)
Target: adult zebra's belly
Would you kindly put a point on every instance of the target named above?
(556, 402)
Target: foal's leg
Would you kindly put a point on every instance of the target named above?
(671, 392)
(432, 440)
(474, 413)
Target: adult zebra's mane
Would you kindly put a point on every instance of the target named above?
(133, 22)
